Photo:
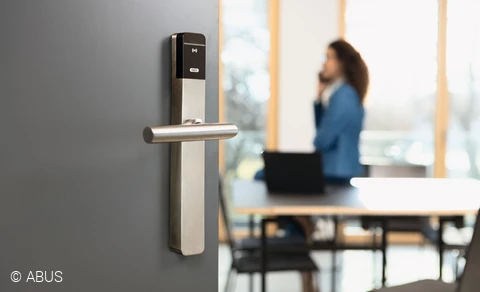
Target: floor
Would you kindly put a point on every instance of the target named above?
(356, 270)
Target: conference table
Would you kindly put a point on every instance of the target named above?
(365, 197)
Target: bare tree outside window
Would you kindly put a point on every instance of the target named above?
(463, 72)
(246, 83)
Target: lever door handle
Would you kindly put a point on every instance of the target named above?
(187, 175)
(191, 130)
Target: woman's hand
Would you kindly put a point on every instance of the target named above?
(320, 90)
(322, 84)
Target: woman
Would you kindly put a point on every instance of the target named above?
(339, 115)
(339, 112)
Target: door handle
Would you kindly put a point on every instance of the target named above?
(187, 150)
(190, 130)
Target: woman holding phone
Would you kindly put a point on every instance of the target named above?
(339, 113)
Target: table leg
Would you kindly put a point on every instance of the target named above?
(250, 225)
(250, 282)
(440, 247)
(264, 255)
(334, 255)
(384, 252)
(374, 254)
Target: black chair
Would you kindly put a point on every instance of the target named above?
(400, 223)
(468, 282)
(246, 254)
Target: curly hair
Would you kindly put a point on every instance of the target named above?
(354, 67)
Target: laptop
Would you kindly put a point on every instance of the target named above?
(294, 172)
(469, 281)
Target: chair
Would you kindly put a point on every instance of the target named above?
(246, 254)
(400, 223)
(468, 281)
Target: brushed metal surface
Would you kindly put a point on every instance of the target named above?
(189, 132)
(187, 160)
(187, 163)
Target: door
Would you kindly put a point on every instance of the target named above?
(84, 201)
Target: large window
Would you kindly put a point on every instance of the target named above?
(463, 73)
(398, 39)
(246, 83)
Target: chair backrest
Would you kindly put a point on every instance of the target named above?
(397, 171)
(226, 216)
(470, 280)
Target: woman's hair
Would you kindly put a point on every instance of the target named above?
(354, 68)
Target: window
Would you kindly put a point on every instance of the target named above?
(246, 83)
(463, 73)
(398, 39)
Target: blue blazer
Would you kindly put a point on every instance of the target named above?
(338, 130)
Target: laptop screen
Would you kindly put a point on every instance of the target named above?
(470, 281)
(294, 172)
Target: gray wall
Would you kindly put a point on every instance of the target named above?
(80, 192)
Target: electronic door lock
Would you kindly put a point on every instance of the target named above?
(187, 135)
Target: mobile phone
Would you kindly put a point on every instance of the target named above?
(322, 78)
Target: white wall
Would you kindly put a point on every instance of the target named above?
(306, 28)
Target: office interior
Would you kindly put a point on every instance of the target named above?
(106, 183)
(421, 121)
